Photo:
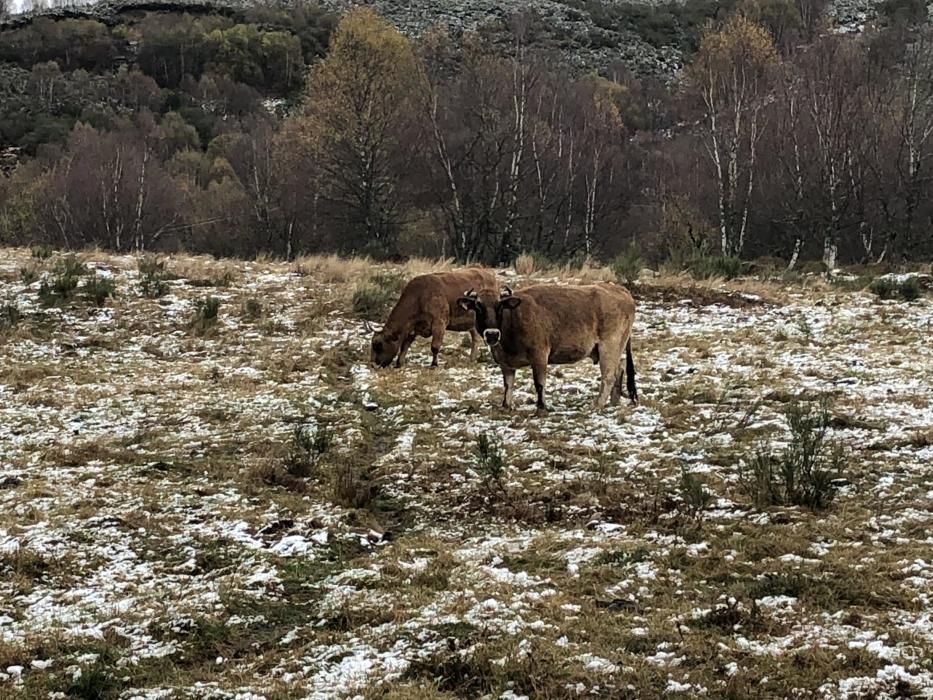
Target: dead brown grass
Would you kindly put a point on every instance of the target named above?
(526, 264)
(422, 266)
(236, 433)
(332, 269)
(203, 270)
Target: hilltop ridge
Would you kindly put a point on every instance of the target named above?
(650, 38)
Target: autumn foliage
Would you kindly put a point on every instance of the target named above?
(271, 133)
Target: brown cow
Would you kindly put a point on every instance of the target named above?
(428, 307)
(553, 324)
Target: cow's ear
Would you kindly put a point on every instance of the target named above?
(510, 303)
(466, 303)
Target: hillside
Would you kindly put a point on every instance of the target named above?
(225, 500)
(650, 38)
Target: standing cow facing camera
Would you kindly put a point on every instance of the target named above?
(428, 307)
(550, 324)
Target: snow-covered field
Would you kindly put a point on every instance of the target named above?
(153, 544)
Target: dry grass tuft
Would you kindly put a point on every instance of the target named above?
(588, 272)
(332, 269)
(526, 264)
(204, 270)
(422, 266)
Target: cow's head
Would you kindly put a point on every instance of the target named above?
(488, 308)
(384, 346)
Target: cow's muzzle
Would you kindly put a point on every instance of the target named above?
(492, 336)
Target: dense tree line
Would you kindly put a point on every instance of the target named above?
(275, 132)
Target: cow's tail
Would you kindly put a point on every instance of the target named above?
(630, 372)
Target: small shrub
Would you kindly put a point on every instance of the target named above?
(730, 616)
(224, 279)
(490, 460)
(351, 486)
(532, 262)
(714, 266)
(307, 448)
(206, 312)
(526, 264)
(153, 277)
(694, 494)
(273, 475)
(775, 584)
(26, 563)
(28, 274)
(332, 269)
(93, 683)
(907, 288)
(41, 252)
(803, 474)
(10, 314)
(98, 289)
(373, 297)
(766, 268)
(627, 265)
(252, 309)
(883, 288)
(578, 260)
(370, 301)
(61, 284)
(804, 328)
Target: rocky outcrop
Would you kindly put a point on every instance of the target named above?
(571, 27)
(567, 27)
(110, 11)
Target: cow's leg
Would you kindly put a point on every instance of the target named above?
(403, 350)
(508, 379)
(617, 387)
(437, 337)
(474, 343)
(610, 357)
(539, 372)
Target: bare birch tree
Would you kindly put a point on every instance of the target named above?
(733, 74)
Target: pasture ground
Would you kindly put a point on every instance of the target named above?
(164, 534)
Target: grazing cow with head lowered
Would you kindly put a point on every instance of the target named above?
(553, 324)
(428, 307)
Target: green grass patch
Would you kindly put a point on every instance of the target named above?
(374, 297)
(713, 267)
(907, 289)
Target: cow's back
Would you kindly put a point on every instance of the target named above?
(571, 320)
(434, 294)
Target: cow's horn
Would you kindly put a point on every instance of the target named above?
(470, 293)
(370, 328)
(506, 291)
